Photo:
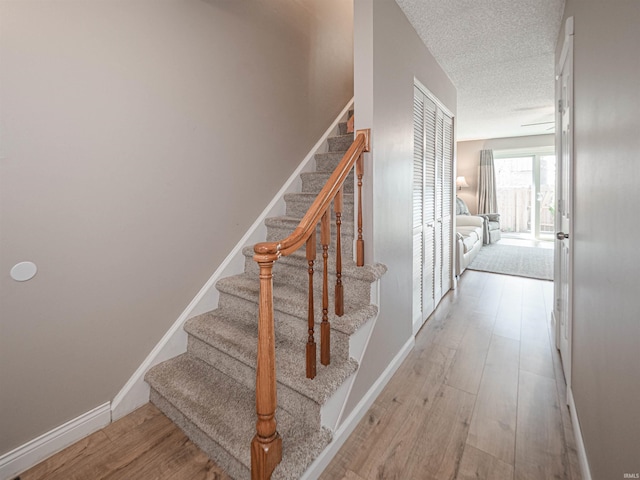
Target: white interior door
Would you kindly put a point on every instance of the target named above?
(564, 196)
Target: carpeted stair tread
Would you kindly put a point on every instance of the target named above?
(292, 300)
(287, 222)
(328, 161)
(312, 196)
(340, 143)
(214, 402)
(308, 198)
(239, 340)
(366, 273)
(279, 228)
(299, 203)
(209, 391)
(312, 182)
(225, 411)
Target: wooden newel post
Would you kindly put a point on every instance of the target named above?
(266, 446)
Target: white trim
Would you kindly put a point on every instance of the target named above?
(38, 449)
(577, 433)
(351, 422)
(417, 83)
(556, 335)
(524, 151)
(359, 350)
(568, 39)
(358, 343)
(136, 392)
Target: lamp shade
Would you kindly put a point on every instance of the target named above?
(461, 182)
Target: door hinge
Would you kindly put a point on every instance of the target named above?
(560, 106)
(558, 302)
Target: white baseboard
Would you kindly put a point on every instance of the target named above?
(136, 392)
(577, 433)
(332, 411)
(351, 422)
(38, 449)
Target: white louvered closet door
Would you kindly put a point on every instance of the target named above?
(429, 205)
(439, 207)
(447, 203)
(418, 195)
(432, 206)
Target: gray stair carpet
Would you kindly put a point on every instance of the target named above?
(209, 391)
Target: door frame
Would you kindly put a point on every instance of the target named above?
(566, 59)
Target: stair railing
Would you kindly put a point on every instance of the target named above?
(266, 446)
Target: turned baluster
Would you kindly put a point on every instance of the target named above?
(311, 343)
(266, 446)
(360, 241)
(325, 329)
(337, 206)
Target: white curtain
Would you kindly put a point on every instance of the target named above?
(487, 198)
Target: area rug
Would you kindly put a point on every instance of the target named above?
(513, 260)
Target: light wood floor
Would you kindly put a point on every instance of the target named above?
(144, 445)
(480, 397)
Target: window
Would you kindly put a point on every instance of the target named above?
(525, 185)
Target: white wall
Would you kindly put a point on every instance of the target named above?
(606, 324)
(468, 163)
(384, 103)
(139, 139)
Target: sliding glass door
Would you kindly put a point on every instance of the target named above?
(545, 198)
(525, 190)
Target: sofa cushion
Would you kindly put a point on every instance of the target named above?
(461, 207)
(469, 220)
(470, 231)
(469, 235)
(469, 242)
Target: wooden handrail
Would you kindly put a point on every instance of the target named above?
(321, 203)
(266, 446)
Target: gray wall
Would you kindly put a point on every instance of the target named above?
(384, 103)
(469, 160)
(139, 140)
(606, 332)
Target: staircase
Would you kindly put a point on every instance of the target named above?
(209, 391)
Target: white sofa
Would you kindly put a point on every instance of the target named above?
(471, 234)
(469, 240)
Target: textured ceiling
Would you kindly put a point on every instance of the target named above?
(500, 56)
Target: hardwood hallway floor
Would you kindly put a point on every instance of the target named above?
(480, 397)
